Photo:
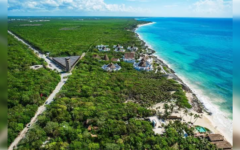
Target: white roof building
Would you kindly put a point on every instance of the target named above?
(103, 48)
(143, 65)
(119, 50)
(132, 48)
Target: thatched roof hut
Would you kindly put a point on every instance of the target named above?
(142, 64)
(215, 137)
(106, 58)
(111, 65)
(223, 145)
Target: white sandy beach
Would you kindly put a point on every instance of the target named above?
(217, 122)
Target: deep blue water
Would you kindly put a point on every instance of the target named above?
(200, 51)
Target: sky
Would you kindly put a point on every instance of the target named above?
(144, 8)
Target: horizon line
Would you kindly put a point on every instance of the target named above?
(123, 16)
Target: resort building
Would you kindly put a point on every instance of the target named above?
(119, 49)
(111, 67)
(106, 58)
(143, 65)
(117, 46)
(129, 57)
(132, 48)
(115, 59)
(219, 141)
(103, 48)
(66, 63)
(223, 145)
(215, 137)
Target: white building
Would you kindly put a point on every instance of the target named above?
(117, 46)
(111, 67)
(103, 48)
(119, 50)
(143, 65)
(132, 48)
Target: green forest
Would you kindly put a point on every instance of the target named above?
(74, 36)
(93, 98)
(95, 109)
(25, 86)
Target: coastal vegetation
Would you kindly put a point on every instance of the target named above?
(27, 88)
(106, 110)
(96, 109)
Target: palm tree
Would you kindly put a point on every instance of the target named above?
(171, 107)
(185, 112)
(196, 116)
(191, 114)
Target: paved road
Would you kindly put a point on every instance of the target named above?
(43, 56)
(42, 108)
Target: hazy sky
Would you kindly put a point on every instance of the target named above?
(160, 8)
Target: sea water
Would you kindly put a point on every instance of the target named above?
(199, 50)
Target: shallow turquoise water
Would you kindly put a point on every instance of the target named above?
(200, 52)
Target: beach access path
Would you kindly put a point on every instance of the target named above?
(50, 99)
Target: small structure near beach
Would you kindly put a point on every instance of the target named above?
(66, 63)
(111, 67)
(143, 65)
(118, 48)
(132, 48)
(215, 137)
(103, 48)
(223, 145)
(129, 57)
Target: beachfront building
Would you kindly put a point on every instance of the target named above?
(129, 57)
(118, 48)
(146, 58)
(143, 65)
(132, 48)
(103, 48)
(111, 67)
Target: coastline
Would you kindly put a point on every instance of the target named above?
(198, 105)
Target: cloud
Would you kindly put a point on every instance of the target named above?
(80, 5)
(212, 8)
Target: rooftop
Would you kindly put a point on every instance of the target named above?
(223, 145)
(215, 137)
(129, 55)
(61, 60)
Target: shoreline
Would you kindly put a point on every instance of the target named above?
(196, 103)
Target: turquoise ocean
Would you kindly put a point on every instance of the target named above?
(199, 50)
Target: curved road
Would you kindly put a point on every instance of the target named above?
(41, 108)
